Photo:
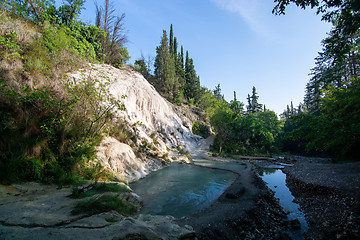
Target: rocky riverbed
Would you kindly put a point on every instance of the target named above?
(329, 195)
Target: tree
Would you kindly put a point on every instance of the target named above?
(236, 106)
(217, 93)
(113, 49)
(221, 120)
(36, 10)
(175, 53)
(192, 81)
(142, 68)
(346, 11)
(253, 104)
(164, 68)
(345, 17)
(70, 10)
(171, 41)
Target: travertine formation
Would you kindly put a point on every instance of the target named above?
(152, 116)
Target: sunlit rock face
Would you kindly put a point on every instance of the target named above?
(153, 116)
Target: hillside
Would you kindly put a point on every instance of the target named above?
(66, 118)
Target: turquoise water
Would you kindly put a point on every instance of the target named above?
(181, 189)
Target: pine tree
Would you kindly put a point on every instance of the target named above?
(249, 107)
(217, 92)
(164, 69)
(253, 105)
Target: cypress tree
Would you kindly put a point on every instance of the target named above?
(175, 49)
(182, 57)
(164, 68)
(192, 81)
(171, 41)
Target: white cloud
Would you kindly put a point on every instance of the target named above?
(253, 12)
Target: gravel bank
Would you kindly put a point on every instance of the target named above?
(329, 195)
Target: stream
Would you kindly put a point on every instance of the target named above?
(275, 179)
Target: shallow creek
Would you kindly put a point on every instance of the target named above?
(183, 189)
(276, 181)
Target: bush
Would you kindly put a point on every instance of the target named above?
(104, 203)
(9, 49)
(97, 188)
(200, 129)
(42, 140)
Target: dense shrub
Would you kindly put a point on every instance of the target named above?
(201, 129)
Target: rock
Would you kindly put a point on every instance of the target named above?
(235, 195)
(120, 158)
(46, 214)
(286, 211)
(133, 198)
(294, 224)
(145, 107)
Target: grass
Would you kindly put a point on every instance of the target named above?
(104, 203)
(99, 188)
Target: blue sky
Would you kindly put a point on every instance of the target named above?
(237, 43)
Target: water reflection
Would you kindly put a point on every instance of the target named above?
(276, 181)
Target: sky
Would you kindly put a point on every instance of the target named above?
(235, 43)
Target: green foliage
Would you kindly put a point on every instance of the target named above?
(175, 80)
(250, 134)
(192, 81)
(200, 129)
(328, 121)
(334, 131)
(36, 10)
(64, 37)
(253, 104)
(89, 112)
(98, 188)
(56, 50)
(9, 49)
(112, 45)
(164, 80)
(208, 102)
(45, 137)
(69, 11)
(104, 203)
(141, 67)
(50, 135)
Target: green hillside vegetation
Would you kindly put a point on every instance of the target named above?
(43, 133)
